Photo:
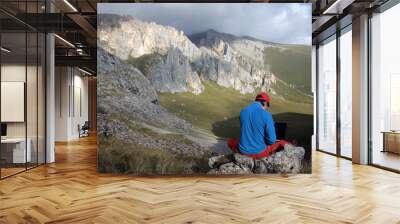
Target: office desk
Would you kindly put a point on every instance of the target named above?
(15, 148)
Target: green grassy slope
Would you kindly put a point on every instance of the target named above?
(292, 94)
(216, 110)
(292, 65)
(134, 157)
(118, 156)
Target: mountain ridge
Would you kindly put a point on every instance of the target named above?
(230, 61)
(194, 36)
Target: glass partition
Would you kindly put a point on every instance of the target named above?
(22, 77)
(31, 99)
(327, 95)
(385, 89)
(14, 153)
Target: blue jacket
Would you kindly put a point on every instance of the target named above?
(257, 130)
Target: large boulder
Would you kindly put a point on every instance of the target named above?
(230, 168)
(288, 160)
(285, 161)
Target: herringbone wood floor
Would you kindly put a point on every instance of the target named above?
(71, 191)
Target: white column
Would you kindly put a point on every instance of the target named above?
(313, 89)
(360, 90)
(50, 99)
(50, 92)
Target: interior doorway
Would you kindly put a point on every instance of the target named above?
(75, 103)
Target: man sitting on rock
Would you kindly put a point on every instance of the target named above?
(257, 130)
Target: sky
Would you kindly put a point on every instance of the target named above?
(288, 23)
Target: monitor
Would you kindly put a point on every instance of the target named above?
(3, 129)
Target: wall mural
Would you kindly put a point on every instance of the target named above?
(204, 88)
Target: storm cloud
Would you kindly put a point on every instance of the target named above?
(281, 23)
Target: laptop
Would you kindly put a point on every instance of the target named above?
(280, 130)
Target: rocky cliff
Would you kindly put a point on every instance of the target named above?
(173, 73)
(125, 37)
(177, 63)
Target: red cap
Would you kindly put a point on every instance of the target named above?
(263, 96)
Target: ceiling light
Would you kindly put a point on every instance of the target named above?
(326, 11)
(64, 40)
(70, 5)
(79, 51)
(84, 71)
(338, 6)
(5, 50)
